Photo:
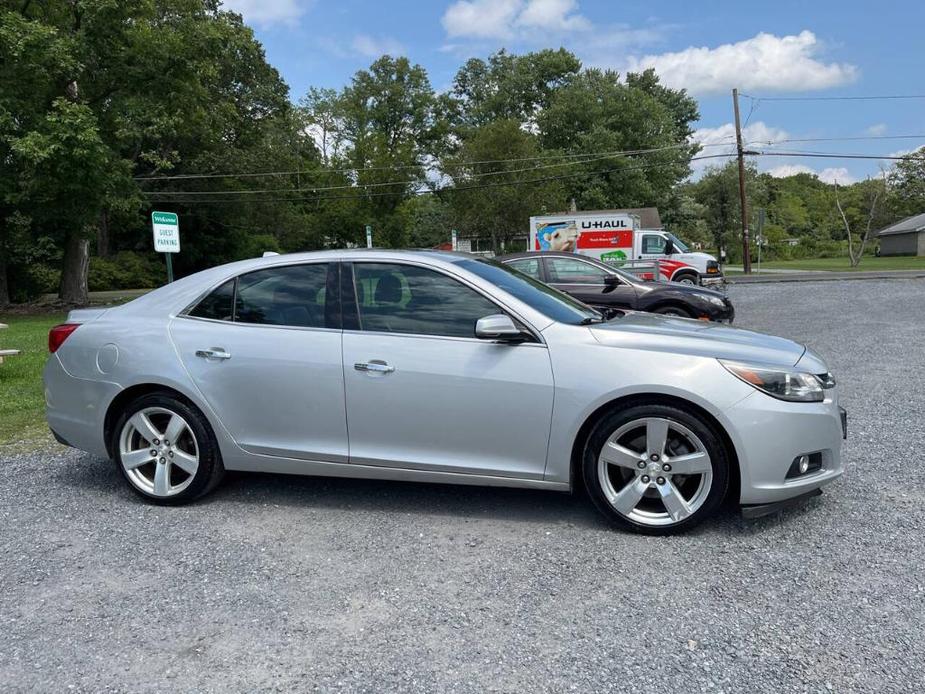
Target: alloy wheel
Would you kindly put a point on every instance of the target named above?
(158, 451)
(655, 471)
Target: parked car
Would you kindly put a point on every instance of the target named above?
(604, 286)
(439, 367)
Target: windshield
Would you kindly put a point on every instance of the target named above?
(548, 301)
(678, 243)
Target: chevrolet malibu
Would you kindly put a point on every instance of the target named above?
(440, 367)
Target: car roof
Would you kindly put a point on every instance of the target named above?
(183, 290)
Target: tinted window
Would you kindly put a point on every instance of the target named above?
(541, 297)
(652, 243)
(218, 305)
(293, 295)
(408, 299)
(574, 271)
(528, 266)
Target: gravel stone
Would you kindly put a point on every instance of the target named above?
(278, 583)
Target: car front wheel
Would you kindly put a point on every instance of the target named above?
(655, 469)
(166, 450)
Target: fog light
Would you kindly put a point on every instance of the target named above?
(804, 464)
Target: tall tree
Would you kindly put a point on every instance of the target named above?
(495, 199)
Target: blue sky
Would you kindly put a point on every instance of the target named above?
(785, 48)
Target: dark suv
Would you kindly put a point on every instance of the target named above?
(604, 286)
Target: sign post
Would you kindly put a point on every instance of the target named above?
(369, 236)
(455, 240)
(166, 226)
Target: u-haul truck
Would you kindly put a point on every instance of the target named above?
(616, 238)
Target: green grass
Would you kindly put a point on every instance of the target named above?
(868, 263)
(22, 400)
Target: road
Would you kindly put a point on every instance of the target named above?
(300, 584)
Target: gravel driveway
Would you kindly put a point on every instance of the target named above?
(293, 584)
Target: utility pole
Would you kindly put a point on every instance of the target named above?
(746, 259)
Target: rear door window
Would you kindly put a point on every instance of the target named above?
(292, 295)
(218, 304)
(569, 271)
(528, 266)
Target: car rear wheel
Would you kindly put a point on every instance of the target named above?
(166, 450)
(655, 469)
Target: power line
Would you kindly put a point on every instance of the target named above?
(384, 184)
(429, 191)
(831, 155)
(460, 164)
(838, 139)
(834, 98)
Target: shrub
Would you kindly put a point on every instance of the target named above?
(126, 270)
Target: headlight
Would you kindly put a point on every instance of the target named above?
(716, 301)
(783, 384)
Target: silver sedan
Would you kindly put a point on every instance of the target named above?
(440, 367)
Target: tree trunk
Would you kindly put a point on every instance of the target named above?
(4, 284)
(73, 289)
(102, 235)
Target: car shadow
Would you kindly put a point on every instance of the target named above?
(100, 478)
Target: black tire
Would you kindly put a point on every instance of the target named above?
(673, 311)
(210, 468)
(687, 278)
(612, 422)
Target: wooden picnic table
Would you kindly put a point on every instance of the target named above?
(6, 352)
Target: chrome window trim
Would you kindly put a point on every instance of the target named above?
(260, 325)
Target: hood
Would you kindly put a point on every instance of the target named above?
(677, 288)
(695, 254)
(652, 332)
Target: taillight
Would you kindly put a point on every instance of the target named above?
(58, 334)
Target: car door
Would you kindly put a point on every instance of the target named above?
(588, 283)
(264, 349)
(424, 393)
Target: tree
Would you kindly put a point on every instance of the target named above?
(509, 87)
(495, 199)
(94, 93)
(859, 217)
(907, 184)
(596, 114)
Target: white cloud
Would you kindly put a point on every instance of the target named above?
(505, 19)
(374, 47)
(481, 18)
(268, 12)
(764, 62)
(827, 175)
(877, 130)
(753, 134)
(558, 15)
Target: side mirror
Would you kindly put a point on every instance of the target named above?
(669, 247)
(498, 327)
(611, 281)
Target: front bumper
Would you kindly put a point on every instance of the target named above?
(769, 434)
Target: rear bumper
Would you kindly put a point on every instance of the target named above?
(75, 408)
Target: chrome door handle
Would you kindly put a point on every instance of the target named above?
(214, 353)
(375, 366)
